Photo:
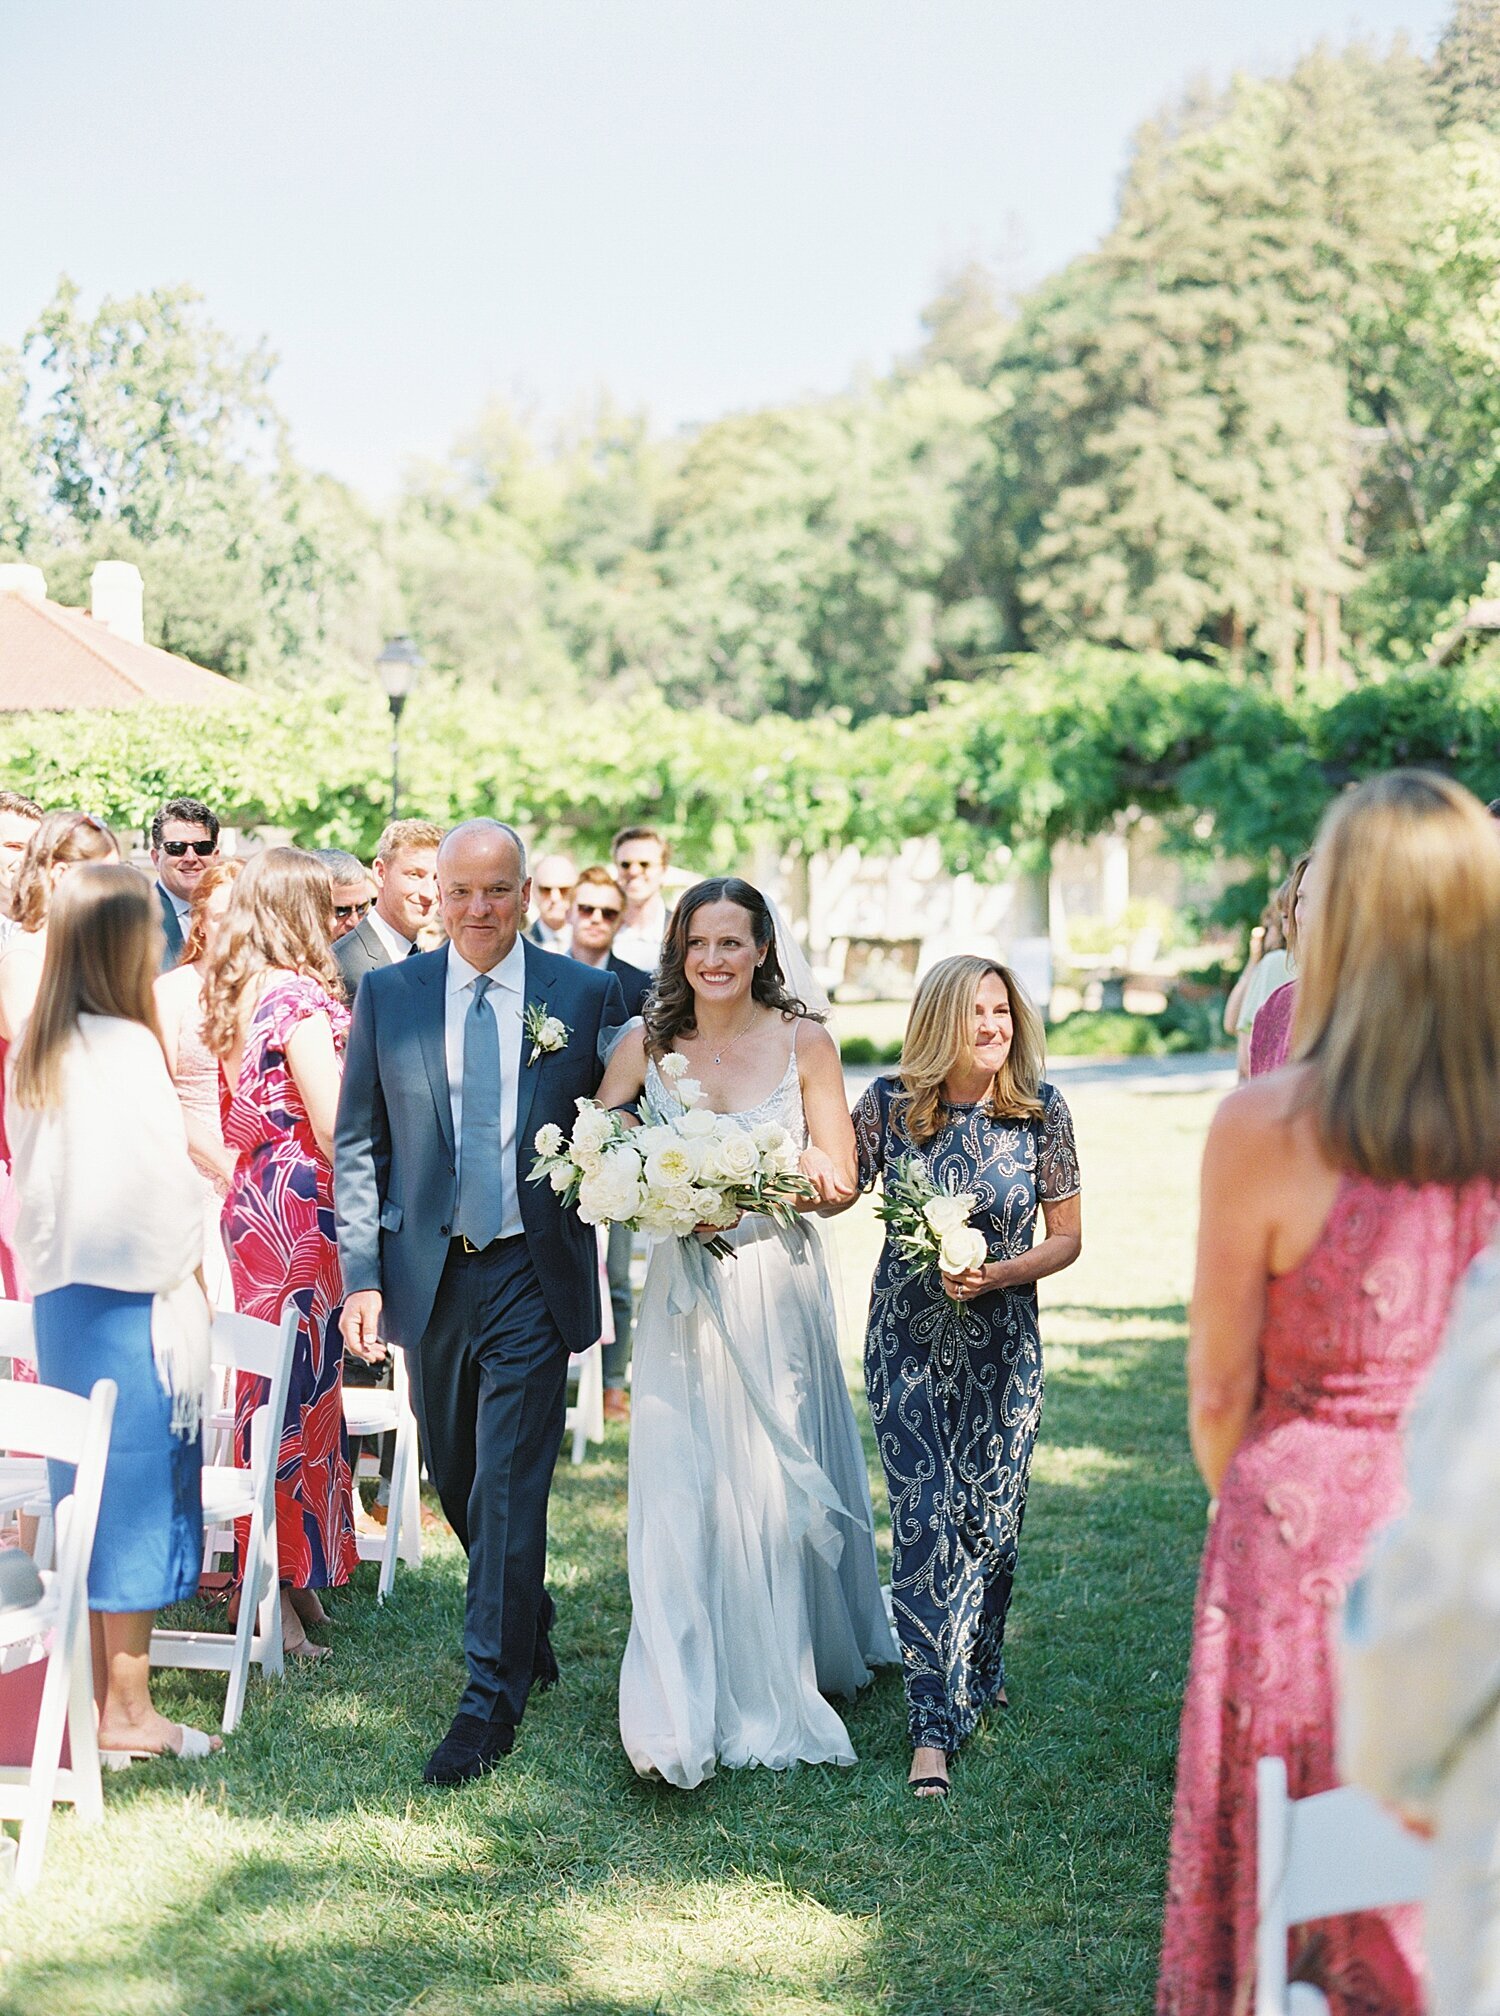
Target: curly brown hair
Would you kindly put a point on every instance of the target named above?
(669, 1008)
(279, 919)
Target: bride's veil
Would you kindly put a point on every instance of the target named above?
(795, 967)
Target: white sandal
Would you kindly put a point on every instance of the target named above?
(196, 1744)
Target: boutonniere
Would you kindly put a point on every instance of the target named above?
(547, 1033)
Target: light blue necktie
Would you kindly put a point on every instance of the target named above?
(479, 1208)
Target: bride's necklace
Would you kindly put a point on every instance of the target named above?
(721, 1053)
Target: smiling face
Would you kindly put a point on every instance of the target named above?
(482, 894)
(721, 955)
(991, 1024)
(595, 915)
(16, 828)
(179, 871)
(408, 886)
(642, 868)
(350, 902)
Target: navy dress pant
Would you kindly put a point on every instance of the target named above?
(489, 1383)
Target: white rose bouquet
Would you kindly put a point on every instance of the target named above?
(673, 1174)
(931, 1226)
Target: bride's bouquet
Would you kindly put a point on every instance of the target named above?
(930, 1226)
(674, 1173)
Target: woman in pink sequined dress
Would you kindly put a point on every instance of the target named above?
(1343, 1199)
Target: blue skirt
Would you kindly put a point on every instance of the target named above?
(148, 1550)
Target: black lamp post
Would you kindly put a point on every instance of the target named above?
(398, 665)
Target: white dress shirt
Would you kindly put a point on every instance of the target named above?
(640, 944)
(396, 946)
(507, 999)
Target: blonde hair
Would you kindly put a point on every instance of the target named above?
(103, 952)
(1398, 1004)
(401, 834)
(279, 919)
(940, 1040)
(227, 869)
(61, 839)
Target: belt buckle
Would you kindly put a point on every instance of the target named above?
(469, 1246)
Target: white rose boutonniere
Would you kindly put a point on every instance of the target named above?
(547, 1033)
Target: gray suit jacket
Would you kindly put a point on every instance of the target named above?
(359, 952)
(395, 1159)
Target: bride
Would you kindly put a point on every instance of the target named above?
(753, 1584)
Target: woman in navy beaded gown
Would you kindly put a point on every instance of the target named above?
(953, 1363)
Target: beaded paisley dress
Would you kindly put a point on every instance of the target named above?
(753, 1596)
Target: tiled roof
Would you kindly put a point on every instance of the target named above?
(56, 659)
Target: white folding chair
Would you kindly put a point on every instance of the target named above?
(244, 1344)
(387, 1410)
(584, 1420)
(1318, 1858)
(75, 1431)
(23, 1479)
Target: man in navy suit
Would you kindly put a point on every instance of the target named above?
(184, 845)
(484, 1279)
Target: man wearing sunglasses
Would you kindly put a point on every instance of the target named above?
(352, 891)
(640, 855)
(184, 841)
(594, 919)
(552, 891)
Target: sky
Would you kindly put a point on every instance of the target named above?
(699, 205)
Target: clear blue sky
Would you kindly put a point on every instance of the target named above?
(700, 204)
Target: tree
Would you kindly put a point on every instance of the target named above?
(1466, 65)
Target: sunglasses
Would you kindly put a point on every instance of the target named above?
(345, 910)
(624, 863)
(554, 888)
(175, 849)
(597, 910)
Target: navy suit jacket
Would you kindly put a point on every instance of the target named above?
(171, 930)
(635, 983)
(395, 1172)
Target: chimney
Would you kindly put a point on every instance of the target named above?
(117, 598)
(16, 578)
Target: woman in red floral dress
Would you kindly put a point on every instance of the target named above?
(275, 1015)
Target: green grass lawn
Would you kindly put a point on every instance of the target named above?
(308, 1873)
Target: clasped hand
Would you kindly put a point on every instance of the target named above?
(820, 1171)
(964, 1287)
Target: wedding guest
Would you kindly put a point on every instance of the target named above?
(593, 919)
(352, 893)
(641, 855)
(405, 902)
(111, 1233)
(19, 819)
(184, 840)
(275, 1017)
(1419, 1705)
(1265, 970)
(1343, 1199)
(1271, 1035)
(552, 891)
(61, 842)
(953, 1363)
(194, 1068)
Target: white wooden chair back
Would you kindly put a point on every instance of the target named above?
(1318, 1858)
(379, 1410)
(76, 1431)
(245, 1344)
(17, 1336)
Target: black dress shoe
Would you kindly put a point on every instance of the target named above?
(470, 1748)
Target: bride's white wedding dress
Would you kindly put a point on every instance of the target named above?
(753, 1582)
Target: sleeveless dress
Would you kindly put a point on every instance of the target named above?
(197, 1081)
(751, 1598)
(1271, 1038)
(278, 1225)
(1347, 1338)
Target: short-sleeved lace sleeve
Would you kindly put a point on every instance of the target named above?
(1057, 1174)
(869, 1136)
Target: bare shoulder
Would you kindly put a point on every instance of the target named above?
(814, 1043)
(1263, 1123)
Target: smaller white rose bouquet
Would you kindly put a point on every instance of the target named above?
(931, 1226)
(675, 1173)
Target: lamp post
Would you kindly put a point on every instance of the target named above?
(398, 665)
